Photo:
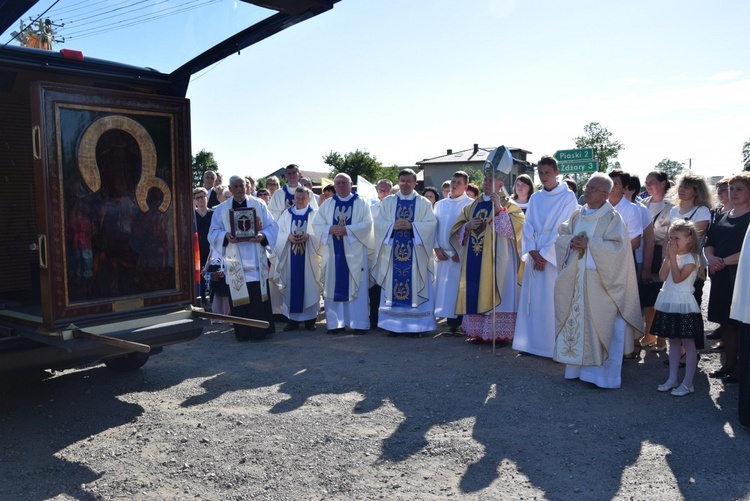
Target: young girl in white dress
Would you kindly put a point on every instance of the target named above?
(678, 315)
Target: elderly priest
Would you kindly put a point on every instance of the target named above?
(245, 259)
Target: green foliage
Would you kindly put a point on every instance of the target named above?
(359, 163)
(746, 155)
(672, 168)
(203, 161)
(389, 173)
(476, 175)
(600, 139)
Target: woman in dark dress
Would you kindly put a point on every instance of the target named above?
(723, 252)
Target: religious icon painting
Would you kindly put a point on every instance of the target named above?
(242, 222)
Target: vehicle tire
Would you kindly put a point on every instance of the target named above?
(127, 363)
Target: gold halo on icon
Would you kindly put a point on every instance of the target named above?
(89, 169)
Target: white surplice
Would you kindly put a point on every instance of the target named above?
(535, 322)
(447, 272)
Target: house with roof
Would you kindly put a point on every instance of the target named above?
(438, 169)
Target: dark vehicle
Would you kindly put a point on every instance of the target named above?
(97, 260)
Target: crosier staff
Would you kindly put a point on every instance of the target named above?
(499, 163)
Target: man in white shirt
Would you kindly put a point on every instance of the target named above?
(630, 214)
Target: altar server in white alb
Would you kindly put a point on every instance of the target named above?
(283, 198)
(245, 262)
(344, 224)
(404, 241)
(448, 266)
(547, 210)
(298, 266)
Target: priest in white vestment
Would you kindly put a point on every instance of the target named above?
(344, 224)
(597, 309)
(547, 210)
(298, 265)
(283, 198)
(245, 262)
(404, 241)
(447, 259)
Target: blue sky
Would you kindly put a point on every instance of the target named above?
(408, 79)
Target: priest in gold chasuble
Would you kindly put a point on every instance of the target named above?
(597, 309)
(473, 234)
(404, 240)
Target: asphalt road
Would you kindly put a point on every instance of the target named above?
(316, 416)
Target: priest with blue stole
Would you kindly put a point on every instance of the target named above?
(297, 271)
(344, 224)
(404, 239)
(487, 235)
(245, 262)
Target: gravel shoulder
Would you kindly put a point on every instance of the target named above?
(315, 416)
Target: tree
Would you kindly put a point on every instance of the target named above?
(746, 155)
(203, 161)
(476, 176)
(355, 163)
(599, 138)
(672, 168)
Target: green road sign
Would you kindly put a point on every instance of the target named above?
(574, 155)
(578, 167)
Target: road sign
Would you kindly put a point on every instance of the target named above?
(574, 155)
(578, 167)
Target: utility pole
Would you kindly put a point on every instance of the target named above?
(690, 163)
(40, 37)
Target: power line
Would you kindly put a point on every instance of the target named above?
(135, 20)
(213, 67)
(72, 8)
(98, 16)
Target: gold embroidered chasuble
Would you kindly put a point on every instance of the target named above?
(587, 299)
(479, 242)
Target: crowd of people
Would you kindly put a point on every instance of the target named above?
(588, 282)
